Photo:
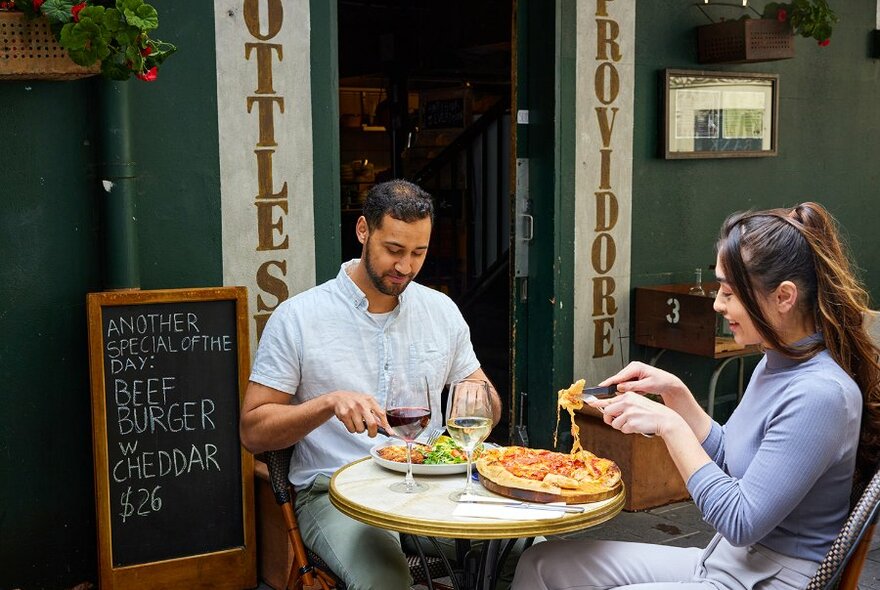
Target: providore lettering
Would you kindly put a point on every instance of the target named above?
(603, 253)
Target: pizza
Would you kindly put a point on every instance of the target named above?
(573, 477)
(570, 399)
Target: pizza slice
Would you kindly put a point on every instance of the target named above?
(570, 399)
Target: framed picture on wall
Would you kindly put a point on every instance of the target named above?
(710, 114)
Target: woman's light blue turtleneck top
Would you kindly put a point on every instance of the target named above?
(784, 461)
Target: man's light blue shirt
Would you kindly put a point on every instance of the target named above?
(324, 340)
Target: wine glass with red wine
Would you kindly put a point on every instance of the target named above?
(408, 411)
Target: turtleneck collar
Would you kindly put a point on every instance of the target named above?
(777, 360)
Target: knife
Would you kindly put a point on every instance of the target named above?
(599, 392)
(590, 394)
(516, 504)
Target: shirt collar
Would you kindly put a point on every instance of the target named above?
(777, 360)
(352, 292)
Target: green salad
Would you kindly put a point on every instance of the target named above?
(445, 452)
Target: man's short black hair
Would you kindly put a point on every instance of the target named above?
(400, 199)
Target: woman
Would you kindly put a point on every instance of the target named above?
(775, 481)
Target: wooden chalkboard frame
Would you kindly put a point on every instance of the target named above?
(233, 568)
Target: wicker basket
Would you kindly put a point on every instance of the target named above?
(29, 51)
(744, 40)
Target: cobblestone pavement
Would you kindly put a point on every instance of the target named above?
(680, 525)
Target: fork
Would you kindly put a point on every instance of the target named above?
(434, 435)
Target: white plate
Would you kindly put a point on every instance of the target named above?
(417, 468)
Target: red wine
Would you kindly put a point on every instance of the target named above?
(408, 423)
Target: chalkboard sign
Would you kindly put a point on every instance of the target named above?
(168, 371)
(444, 113)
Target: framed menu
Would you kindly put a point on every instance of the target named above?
(719, 114)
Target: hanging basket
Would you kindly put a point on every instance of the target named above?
(744, 40)
(29, 51)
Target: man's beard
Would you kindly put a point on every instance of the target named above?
(377, 279)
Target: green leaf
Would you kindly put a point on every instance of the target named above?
(115, 70)
(145, 17)
(127, 35)
(113, 20)
(73, 38)
(57, 10)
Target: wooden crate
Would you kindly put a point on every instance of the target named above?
(667, 316)
(29, 51)
(744, 40)
(650, 476)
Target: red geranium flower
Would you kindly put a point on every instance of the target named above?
(37, 4)
(150, 75)
(824, 42)
(782, 15)
(146, 51)
(75, 11)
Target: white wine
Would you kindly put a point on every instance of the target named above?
(469, 431)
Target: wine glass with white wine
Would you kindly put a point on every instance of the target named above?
(469, 421)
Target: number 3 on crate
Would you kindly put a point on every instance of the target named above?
(673, 316)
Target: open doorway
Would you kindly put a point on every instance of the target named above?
(424, 94)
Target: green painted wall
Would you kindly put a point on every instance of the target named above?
(829, 151)
(175, 144)
(50, 258)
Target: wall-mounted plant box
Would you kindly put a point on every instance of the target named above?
(29, 51)
(744, 40)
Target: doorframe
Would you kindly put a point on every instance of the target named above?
(324, 60)
(542, 304)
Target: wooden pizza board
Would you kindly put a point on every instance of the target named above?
(567, 496)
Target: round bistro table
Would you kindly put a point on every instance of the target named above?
(360, 490)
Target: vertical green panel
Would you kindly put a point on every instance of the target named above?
(546, 89)
(48, 260)
(175, 139)
(325, 137)
(563, 235)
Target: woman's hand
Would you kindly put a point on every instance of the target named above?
(632, 413)
(644, 379)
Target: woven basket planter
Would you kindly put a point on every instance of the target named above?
(29, 51)
(744, 40)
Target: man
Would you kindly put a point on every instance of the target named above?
(322, 370)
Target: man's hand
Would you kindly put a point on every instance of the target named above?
(358, 412)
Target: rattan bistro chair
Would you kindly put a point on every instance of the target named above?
(308, 568)
(843, 563)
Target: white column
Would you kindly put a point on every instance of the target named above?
(603, 185)
(265, 135)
